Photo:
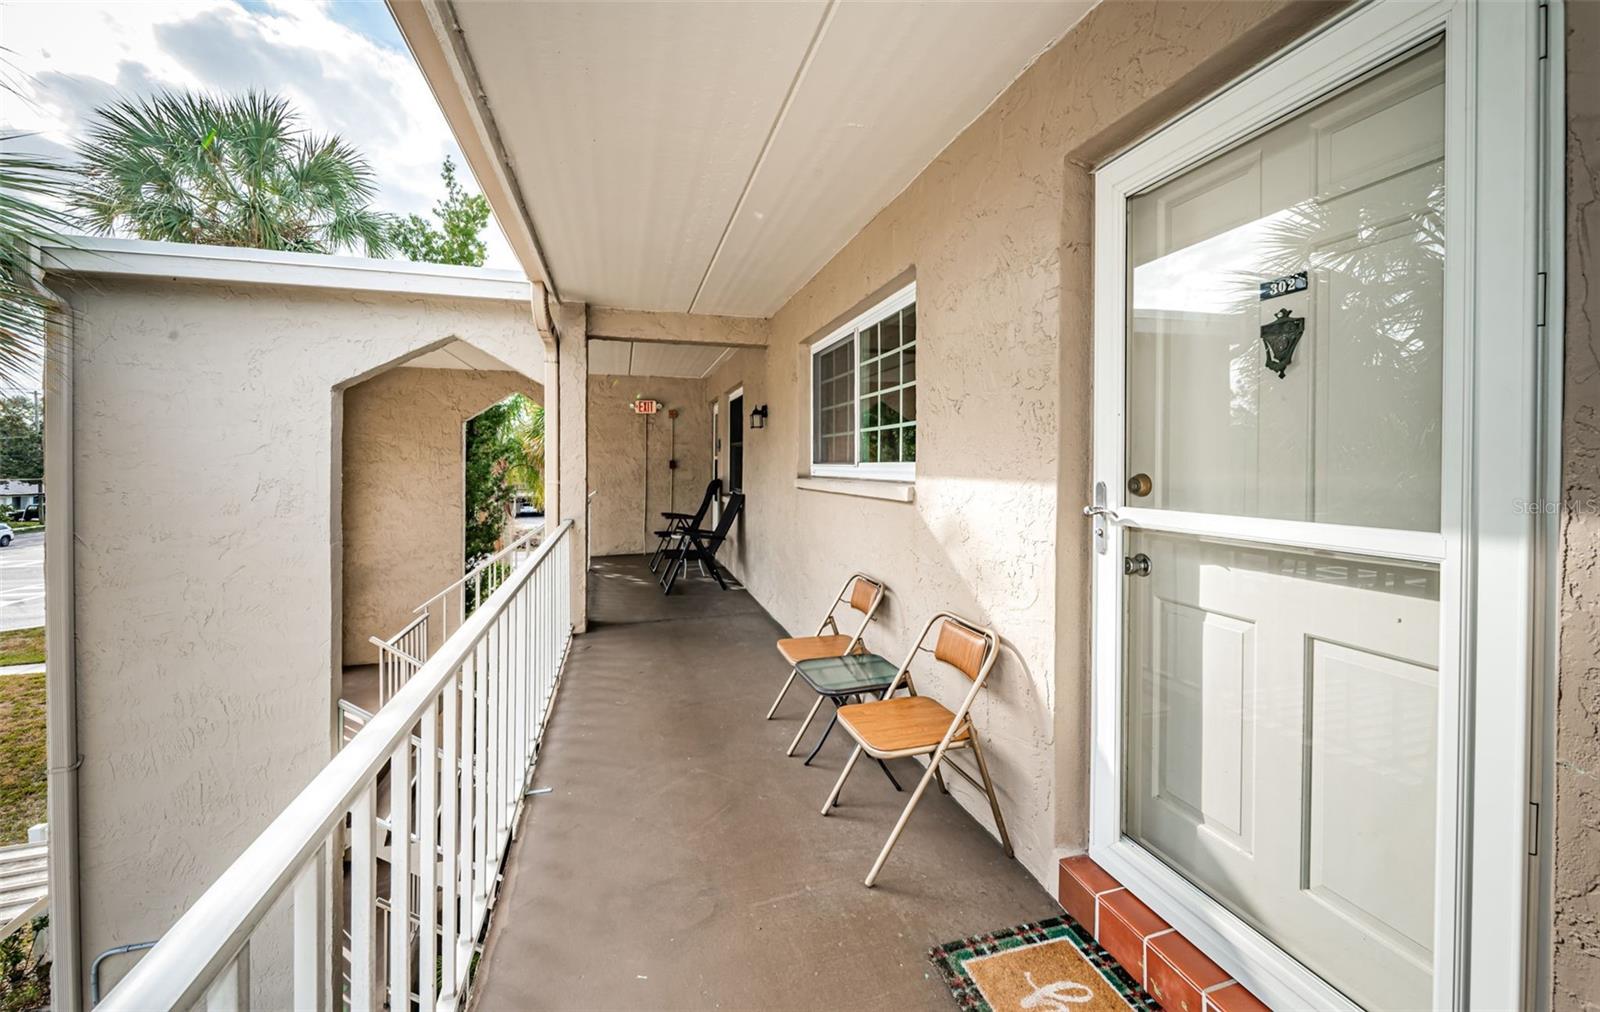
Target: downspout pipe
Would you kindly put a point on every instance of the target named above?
(61, 702)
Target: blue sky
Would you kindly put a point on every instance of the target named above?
(342, 63)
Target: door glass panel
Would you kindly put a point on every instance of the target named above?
(1281, 736)
(1328, 228)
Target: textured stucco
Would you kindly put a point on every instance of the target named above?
(404, 492)
(677, 328)
(207, 536)
(628, 456)
(997, 232)
(1576, 933)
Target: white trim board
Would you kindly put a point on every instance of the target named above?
(140, 258)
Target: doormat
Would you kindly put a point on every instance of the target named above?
(1048, 965)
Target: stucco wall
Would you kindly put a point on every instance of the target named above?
(997, 231)
(206, 528)
(628, 456)
(1577, 745)
(404, 491)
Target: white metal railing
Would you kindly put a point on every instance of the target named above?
(400, 656)
(468, 591)
(476, 710)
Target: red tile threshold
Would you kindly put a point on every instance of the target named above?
(1172, 968)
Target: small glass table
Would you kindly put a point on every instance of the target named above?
(841, 679)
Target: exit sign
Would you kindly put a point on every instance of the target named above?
(644, 406)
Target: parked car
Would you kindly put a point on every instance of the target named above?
(6, 535)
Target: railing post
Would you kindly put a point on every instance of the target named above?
(427, 858)
(309, 938)
(363, 903)
(450, 797)
(400, 876)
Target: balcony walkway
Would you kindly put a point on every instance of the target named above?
(681, 862)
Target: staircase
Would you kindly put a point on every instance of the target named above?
(24, 883)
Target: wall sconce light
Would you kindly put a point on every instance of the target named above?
(758, 417)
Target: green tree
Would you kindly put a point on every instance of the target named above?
(21, 438)
(489, 493)
(458, 237)
(29, 189)
(227, 172)
(523, 436)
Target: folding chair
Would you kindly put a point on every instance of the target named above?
(695, 544)
(865, 595)
(676, 522)
(898, 726)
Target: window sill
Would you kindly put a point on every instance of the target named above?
(866, 488)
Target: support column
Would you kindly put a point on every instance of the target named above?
(572, 475)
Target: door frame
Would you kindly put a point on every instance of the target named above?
(1495, 439)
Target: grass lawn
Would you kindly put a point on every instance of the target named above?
(22, 646)
(22, 756)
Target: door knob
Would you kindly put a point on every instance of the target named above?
(1136, 565)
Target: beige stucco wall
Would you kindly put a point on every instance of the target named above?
(628, 456)
(404, 491)
(207, 548)
(996, 231)
(1576, 933)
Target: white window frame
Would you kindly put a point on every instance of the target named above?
(1498, 428)
(902, 471)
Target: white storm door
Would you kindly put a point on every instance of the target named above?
(1287, 458)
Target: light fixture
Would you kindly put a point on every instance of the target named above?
(758, 417)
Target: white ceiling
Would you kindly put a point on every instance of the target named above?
(649, 358)
(711, 157)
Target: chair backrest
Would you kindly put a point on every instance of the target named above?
(963, 647)
(713, 487)
(863, 592)
(730, 513)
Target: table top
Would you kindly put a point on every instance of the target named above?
(839, 676)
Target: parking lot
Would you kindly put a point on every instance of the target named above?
(22, 582)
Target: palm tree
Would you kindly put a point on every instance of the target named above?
(27, 183)
(523, 433)
(227, 172)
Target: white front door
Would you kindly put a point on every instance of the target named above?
(1281, 720)
(1284, 497)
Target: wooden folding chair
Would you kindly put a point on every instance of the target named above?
(898, 726)
(865, 594)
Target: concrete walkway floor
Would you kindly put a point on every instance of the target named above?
(681, 862)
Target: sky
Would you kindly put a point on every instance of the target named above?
(341, 63)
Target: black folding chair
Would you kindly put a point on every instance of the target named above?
(695, 544)
(678, 521)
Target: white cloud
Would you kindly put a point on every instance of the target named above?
(340, 64)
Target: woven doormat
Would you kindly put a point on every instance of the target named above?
(1049, 965)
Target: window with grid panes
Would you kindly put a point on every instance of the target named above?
(864, 394)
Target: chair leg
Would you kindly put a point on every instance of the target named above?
(655, 559)
(938, 777)
(782, 692)
(885, 767)
(716, 573)
(994, 799)
(825, 732)
(905, 816)
(850, 764)
(803, 725)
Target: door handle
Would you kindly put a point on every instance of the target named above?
(1102, 511)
